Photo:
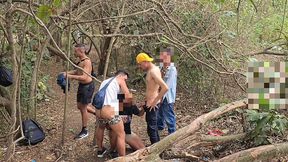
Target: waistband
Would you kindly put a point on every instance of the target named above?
(81, 84)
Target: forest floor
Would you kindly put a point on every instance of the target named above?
(50, 116)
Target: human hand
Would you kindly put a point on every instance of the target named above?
(153, 106)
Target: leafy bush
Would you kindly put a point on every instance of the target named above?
(264, 123)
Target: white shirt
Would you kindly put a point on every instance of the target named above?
(112, 91)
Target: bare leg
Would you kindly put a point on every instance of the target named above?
(91, 109)
(118, 129)
(134, 141)
(113, 140)
(100, 136)
(84, 113)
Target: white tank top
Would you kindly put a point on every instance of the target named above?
(112, 91)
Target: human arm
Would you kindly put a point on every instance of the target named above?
(156, 76)
(124, 88)
(87, 67)
(171, 81)
(69, 72)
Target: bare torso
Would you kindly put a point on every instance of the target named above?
(152, 88)
(82, 64)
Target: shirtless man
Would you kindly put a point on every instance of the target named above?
(153, 96)
(85, 88)
(109, 114)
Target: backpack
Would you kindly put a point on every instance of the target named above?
(33, 132)
(6, 76)
(99, 97)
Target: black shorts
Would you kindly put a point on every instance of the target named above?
(127, 128)
(85, 93)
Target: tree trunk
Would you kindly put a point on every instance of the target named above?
(151, 153)
(11, 41)
(260, 153)
(112, 41)
(34, 80)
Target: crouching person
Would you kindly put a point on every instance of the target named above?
(108, 112)
(132, 139)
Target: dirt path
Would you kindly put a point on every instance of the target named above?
(50, 116)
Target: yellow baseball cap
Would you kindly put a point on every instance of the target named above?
(143, 57)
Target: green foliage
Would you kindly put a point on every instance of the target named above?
(265, 122)
(27, 70)
(42, 88)
(45, 11)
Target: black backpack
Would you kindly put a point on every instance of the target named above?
(33, 132)
(6, 76)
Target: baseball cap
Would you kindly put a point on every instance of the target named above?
(143, 57)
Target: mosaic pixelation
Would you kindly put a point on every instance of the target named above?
(267, 85)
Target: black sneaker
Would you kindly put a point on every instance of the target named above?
(84, 133)
(101, 153)
(114, 154)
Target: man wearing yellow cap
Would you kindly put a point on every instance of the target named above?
(154, 82)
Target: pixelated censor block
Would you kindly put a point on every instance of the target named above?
(267, 85)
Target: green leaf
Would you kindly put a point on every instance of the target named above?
(57, 3)
(44, 12)
(252, 115)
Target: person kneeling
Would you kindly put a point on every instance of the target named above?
(132, 139)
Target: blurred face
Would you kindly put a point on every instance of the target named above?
(165, 57)
(78, 51)
(143, 65)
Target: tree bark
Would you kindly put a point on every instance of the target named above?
(260, 153)
(4, 102)
(112, 41)
(151, 153)
(11, 41)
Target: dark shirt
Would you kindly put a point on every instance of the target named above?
(126, 115)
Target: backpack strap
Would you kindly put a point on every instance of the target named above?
(107, 84)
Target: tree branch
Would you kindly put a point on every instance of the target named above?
(113, 17)
(53, 41)
(261, 153)
(153, 151)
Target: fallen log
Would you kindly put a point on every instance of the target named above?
(152, 152)
(260, 153)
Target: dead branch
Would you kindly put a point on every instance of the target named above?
(222, 139)
(260, 153)
(113, 17)
(53, 41)
(112, 41)
(20, 1)
(172, 21)
(4, 102)
(183, 155)
(152, 152)
(128, 35)
(75, 6)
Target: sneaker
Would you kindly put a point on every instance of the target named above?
(84, 133)
(101, 153)
(113, 154)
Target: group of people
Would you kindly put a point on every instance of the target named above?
(117, 110)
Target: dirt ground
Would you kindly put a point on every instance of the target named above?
(50, 116)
